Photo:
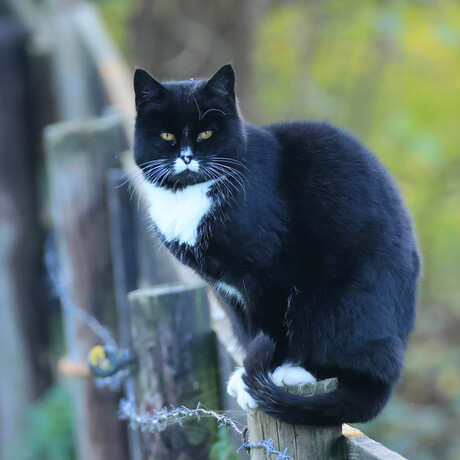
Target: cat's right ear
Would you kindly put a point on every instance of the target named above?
(222, 82)
(147, 89)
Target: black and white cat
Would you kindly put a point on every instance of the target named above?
(303, 232)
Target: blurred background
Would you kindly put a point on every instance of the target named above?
(387, 71)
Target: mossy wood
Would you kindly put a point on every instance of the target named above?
(177, 365)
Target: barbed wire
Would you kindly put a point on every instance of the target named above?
(157, 420)
(51, 263)
(160, 420)
(268, 447)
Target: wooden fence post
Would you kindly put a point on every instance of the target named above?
(301, 442)
(78, 154)
(177, 361)
(24, 367)
(123, 247)
(123, 240)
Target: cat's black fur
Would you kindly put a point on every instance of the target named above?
(312, 232)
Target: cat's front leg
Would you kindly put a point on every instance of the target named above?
(237, 388)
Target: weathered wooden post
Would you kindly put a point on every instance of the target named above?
(177, 365)
(123, 247)
(24, 366)
(301, 442)
(78, 154)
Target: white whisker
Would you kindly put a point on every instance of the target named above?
(211, 110)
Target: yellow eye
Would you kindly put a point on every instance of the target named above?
(167, 136)
(205, 135)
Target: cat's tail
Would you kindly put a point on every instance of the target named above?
(355, 400)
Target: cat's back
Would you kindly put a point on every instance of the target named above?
(326, 163)
(335, 185)
(320, 146)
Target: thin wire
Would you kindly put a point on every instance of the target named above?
(160, 420)
(66, 302)
(157, 420)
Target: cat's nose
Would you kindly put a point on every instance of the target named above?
(186, 155)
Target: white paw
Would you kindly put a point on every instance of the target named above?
(237, 388)
(289, 375)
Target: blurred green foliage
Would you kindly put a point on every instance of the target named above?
(116, 14)
(222, 449)
(389, 72)
(48, 435)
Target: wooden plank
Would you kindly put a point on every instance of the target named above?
(360, 447)
(177, 361)
(78, 154)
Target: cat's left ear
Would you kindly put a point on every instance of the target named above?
(147, 89)
(222, 83)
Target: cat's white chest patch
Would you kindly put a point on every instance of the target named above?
(177, 215)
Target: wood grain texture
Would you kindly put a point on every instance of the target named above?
(360, 447)
(301, 442)
(177, 365)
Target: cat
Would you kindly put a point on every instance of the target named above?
(300, 229)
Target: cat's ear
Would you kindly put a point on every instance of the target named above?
(147, 89)
(222, 83)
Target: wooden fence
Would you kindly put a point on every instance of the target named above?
(110, 262)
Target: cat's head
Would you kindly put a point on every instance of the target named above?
(187, 131)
